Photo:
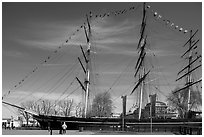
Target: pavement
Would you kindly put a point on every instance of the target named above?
(76, 132)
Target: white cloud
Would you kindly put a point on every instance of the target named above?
(15, 54)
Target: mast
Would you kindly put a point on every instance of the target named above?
(189, 69)
(189, 74)
(140, 66)
(141, 45)
(87, 79)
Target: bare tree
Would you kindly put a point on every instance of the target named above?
(55, 109)
(28, 105)
(102, 105)
(179, 101)
(66, 107)
(46, 107)
(79, 110)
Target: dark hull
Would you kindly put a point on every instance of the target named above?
(55, 122)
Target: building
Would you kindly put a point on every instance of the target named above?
(160, 111)
(10, 123)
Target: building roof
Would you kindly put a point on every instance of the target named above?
(158, 103)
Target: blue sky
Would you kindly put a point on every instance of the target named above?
(32, 31)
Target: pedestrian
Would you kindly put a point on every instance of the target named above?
(64, 127)
(49, 128)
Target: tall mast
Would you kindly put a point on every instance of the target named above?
(142, 47)
(140, 68)
(87, 79)
(189, 69)
(189, 74)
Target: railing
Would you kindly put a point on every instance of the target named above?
(176, 129)
(190, 130)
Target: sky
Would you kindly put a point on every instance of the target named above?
(32, 32)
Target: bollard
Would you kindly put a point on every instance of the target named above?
(190, 131)
(81, 129)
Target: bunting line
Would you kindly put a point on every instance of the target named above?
(70, 37)
(166, 21)
(92, 16)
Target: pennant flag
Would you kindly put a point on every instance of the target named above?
(148, 6)
(167, 22)
(185, 31)
(155, 14)
(180, 29)
(159, 16)
(90, 14)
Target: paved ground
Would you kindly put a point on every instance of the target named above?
(76, 132)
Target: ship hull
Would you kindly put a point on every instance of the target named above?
(74, 123)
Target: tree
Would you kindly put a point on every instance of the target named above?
(79, 110)
(179, 101)
(46, 107)
(27, 105)
(66, 107)
(102, 105)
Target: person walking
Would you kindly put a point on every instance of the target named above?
(64, 127)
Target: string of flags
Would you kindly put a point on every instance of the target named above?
(166, 21)
(92, 16)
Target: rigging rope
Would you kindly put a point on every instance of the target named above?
(107, 14)
(64, 44)
(62, 79)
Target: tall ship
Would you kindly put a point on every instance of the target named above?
(141, 70)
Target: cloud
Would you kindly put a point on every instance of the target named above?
(111, 28)
(47, 35)
(14, 53)
(162, 52)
